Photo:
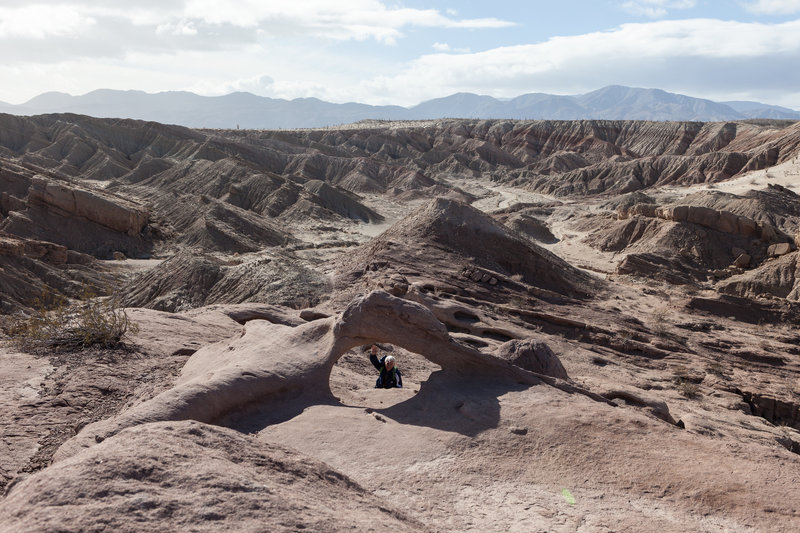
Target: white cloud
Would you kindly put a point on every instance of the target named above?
(656, 8)
(341, 20)
(262, 85)
(698, 55)
(182, 27)
(149, 24)
(39, 21)
(446, 48)
(774, 7)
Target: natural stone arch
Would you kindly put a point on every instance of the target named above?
(273, 362)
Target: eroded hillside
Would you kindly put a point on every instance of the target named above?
(603, 308)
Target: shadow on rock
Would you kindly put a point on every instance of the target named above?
(450, 402)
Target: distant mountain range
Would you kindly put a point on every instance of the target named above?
(246, 110)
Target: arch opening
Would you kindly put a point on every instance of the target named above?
(352, 378)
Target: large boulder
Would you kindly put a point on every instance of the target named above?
(532, 355)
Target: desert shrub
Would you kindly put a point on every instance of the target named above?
(660, 323)
(688, 389)
(56, 324)
(687, 381)
(717, 368)
(626, 336)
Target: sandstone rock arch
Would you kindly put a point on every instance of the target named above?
(282, 364)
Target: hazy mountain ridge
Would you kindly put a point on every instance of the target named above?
(249, 111)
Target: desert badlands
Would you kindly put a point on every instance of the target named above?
(596, 322)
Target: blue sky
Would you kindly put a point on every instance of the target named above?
(402, 51)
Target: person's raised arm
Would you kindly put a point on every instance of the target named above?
(373, 358)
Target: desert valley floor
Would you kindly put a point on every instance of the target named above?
(596, 322)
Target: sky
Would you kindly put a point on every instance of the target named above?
(402, 51)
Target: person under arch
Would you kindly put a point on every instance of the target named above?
(389, 375)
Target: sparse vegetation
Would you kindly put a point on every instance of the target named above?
(660, 323)
(56, 324)
(717, 368)
(688, 389)
(687, 382)
(626, 336)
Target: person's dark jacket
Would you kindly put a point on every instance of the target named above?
(387, 379)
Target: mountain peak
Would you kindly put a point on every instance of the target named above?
(613, 102)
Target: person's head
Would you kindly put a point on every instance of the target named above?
(389, 362)
(374, 349)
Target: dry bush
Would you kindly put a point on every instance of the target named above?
(660, 324)
(626, 336)
(717, 368)
(55, 324)
(688, 389)
(687, 381)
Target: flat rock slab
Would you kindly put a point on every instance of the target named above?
(187, 476)
(21, 378)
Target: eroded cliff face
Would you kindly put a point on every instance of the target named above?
(560, 157)
(563, 157)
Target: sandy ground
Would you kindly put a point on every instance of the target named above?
(130, 268)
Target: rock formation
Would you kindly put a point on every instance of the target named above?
(189, 280)
(88, 221)
(779, 278)
(272, 363)
(30, 268)
(116, 213)
(721, 221)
